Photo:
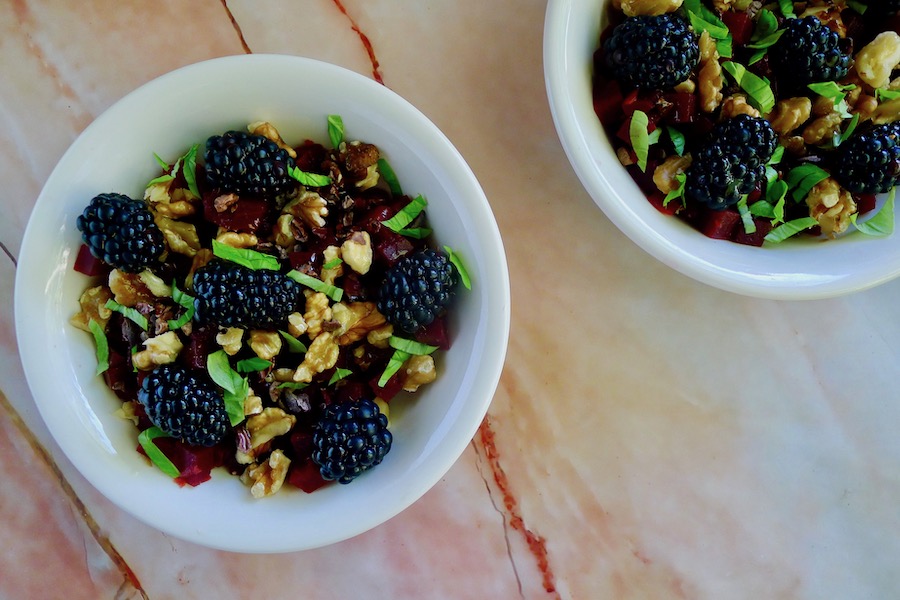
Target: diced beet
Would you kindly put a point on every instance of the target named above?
(306, 476)
(351, 391)
(88, 264)
(247, 215)
(684, 108)
(354, 289)
(644, 179)
(719, 224)
(390, 247)
(435, 334)
(865, 202)
(120, 376)
(739, 24)
(200, 344)
(123, 334)
(391, 387)
(310, 156)
(637, 100)
(763, 227)
(305, 258)
(607, 101)
(194, 463)
(658, 198)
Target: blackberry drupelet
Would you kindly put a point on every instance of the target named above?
(809, 52)
(231, 295)
(247, 164)
(652, 52)
(121, 232)
(869, 162)
(417, 289)
(350, 438)
(732, 163)
(184, 405)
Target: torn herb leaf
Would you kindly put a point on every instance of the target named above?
(309, 179)
(390, 178)
(786, 230)
(759, 92)
(639, 132)
(406, 214)
(245, 257)
(294, 345)
(335, 130)
(102, 346)
(129, 313)
(457, 262)
(881, 224)
(333, 292)
(156, 456)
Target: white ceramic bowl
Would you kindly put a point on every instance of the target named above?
(796, 269)
(167, 115)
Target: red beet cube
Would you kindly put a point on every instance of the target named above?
(247, 215)
(391, 387)
(306, 476)
(739, 24)
(865, 202)
(719, 224)
(763, 227)
(435, 334)
(658, 198)
(88, 264)
(607, 101)
(684, 107)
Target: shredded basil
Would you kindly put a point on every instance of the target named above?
(418, 233)
(746, 217)
(129, 313)
(291, 385)
(406, 214)
(841, 137)
(333, 292)
(156, 456)
(759, 92)
(294, 345)
(410, 346)
(678, 192)
(102, 345)
(786, 230)
(397, 359)
(762, 208)
(338, 375)
(190, 169)
(245, 257)
(309, 179)
(332, 264)
(457, 262)
(859, 7)
(387, 173)
(641, 141)
(802, 179)
(252, 365)
(884, 94)
(881, 224)
(703, 19)
(335, 130)
(187, 302)
(787, 8)
(160, 161)
(236, 388)
(677, 138)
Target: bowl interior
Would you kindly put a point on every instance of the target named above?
(431, 429)
(795, 269)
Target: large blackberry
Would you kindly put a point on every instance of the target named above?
(351, 437)
(247, 164)
(230, 295)
(120, 231)
(417, 289)
(809, 52)
(869, 162)
(652, 52)
(732, 163)
(184, 405)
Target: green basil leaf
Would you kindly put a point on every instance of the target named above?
(638, 131)
(457, 262)
(129, 313)
(786, 230)
(777, 155)
(245, 257)
(678, 140)
(190, 169)
(746, 217)
(252, 365)
(410, 346)
(161, 179)
(186, 301)
(294, 345)
(387, 173)
(221, 373)
(102, 346)
(842, 137)
(759, 92)
(775, 196)
(418, 233)
(766, 25)
(338, 375)
(156, 456)
(881, 224)
(291, 385)
(309, 179)
(406, 214)
(678, 192)
(394, 364)
(884, 94)
(161, 162)
(335, 130)
(802, 179)
(333, 292)
(859, 7)
(787, 8)
(761, 208)
(332, 264)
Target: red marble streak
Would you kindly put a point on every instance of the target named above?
(536, 544)
(237, 28)
(365, 42)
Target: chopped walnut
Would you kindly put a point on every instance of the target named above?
(283, 374)
(379, 337)
(283, 231)
(267, 478)
(252, 405)
(329, 254)
(737, 105)
(624, 157)
(322, 354)
(709, 79)
(357, 252)
(230, 340)
(687, 86)
(875, 62)
(180, 237)
(308, 206)
(789, 114)
(268, 425)
(822, 129)
(93, 306)
(237, 240)
(160, 350)
(665, 173)
(370, 180)
(128, 411)
(418, 370)
(200, 259)
(794, 145)
(266, 344)
(224, 202)
(155, 284)
(866, 107)
(633, 8)
(831, 206)
(165, 201)
(317, 312)
(356, 321)
(268, 131)
(886, 112)
(296, 324)
(358, 157)
(128, 289)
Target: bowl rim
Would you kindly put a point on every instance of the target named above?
(31, 316)
(793, 271)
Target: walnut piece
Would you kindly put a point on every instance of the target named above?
(237, 240)
(737, 105)
(93, 306)
(155, 284)
(266, 344)
(886, 112)
(308, 206)
(252, 404)
(128, 289)
(317, 312)
(328, 255)
(875, 62)
(230, 340)
(379, 337)
(174, 203)
(633, 8)
(296, 324)
(357, 319)
(789, 114)
(418, 370)
(709, 79)
(267, 478)
(831, 206)
(180, 237)
(664, 175)
(359, 159)
(268, 425)
(321, 355)
(268, 131)
(822, 129)
(160, 350)
(283, 231)
(357, 252)
(128, 411)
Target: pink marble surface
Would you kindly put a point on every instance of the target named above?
(651, 437)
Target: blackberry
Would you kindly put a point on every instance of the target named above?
(120, 231)
(418, 288)
(652, 52)
(869, 162)
(809, 52)
(184, 405)
(350, 438)
(231, 295)
(247, 164)
(732, 163)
